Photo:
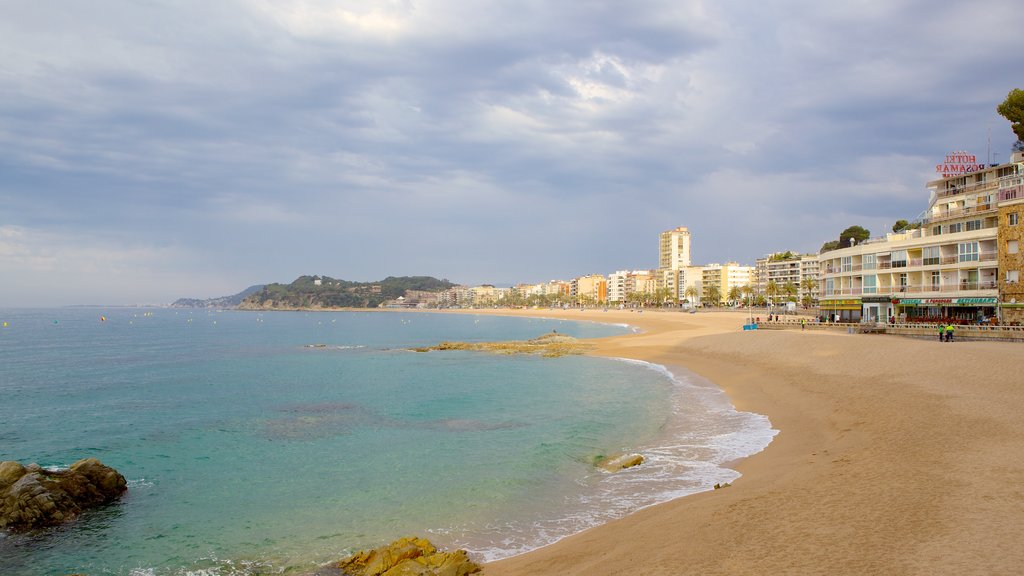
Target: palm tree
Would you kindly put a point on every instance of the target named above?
(713, 294)
(735, 293)
(691, 294)
(808, 285)
(662, 295)
(790, 290)
(772, 290)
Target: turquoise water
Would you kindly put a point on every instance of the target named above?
(248, 452)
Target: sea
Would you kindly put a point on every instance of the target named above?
(275, 442)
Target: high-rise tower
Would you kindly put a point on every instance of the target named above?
(674, 249)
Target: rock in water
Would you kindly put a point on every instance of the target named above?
(408, 557)
(619, 462)
(33, 497)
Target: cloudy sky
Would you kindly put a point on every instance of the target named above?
(156, 149)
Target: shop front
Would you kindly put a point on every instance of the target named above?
(967, 310)
(839, 309)
(878, 308)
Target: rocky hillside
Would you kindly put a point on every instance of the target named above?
(326, 292)
(222, 302)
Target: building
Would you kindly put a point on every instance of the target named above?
(782, 268)
(1010, 240)
(592, 289)
(723, 278)
(690, 283)
(674, 249)
(948, 268)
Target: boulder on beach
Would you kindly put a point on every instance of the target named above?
(408, 557)
(35, 497)
(618, 462)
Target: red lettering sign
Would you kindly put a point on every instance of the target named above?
(958, 164)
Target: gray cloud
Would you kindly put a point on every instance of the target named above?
(253, 141)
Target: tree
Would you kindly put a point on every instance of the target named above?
(858, 233)
(735, 294)
(691, 294)
(1013, 110)
(808, 285)
(662, 295)
(772, 290)
(790, 290)
(900, 224)
(713, 294)
(828, 246)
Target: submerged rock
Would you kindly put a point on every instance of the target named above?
(618, 462)
(34, 497)
(408, 557)
(549, 345)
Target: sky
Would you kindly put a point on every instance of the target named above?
(152, 150)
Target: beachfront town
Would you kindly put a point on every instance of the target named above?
(960, 260)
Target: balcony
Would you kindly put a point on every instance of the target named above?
(968, 189)
(963, 288)
(961, 212)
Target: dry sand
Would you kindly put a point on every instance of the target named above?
(895, 456)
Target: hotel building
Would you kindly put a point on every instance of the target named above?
(949, 267)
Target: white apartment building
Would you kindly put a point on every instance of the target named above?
(947, 268)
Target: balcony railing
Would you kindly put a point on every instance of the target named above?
(916, 289)
(959, 212)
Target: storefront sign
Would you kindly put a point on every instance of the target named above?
(826, 305)
(976, 301)
(947, 302)
(958, 164)
(876, 299)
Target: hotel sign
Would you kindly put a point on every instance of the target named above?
(958, 164)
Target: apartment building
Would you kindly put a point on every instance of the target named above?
(947, 268)
(787, 267)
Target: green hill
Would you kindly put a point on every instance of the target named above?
(306, 292)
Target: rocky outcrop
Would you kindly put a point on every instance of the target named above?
(408, 557)
(34, 497)
(549, 345)
(618, 462)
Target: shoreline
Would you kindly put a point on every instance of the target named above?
(894, 455)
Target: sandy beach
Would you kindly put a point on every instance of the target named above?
(895, 456)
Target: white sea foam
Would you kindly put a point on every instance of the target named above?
(704, 433)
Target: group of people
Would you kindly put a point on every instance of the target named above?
(946, 331)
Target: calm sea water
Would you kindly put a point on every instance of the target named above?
(248, 452)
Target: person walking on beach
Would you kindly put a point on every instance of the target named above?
(942, 332)
(949, 332)
(803, 323)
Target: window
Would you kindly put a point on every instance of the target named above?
(1012, 275)
(954, 228)
(973, 225)
(829, 287)
(870, 284)
(930, 255)
(936, 230)
(903, 282)
(1012, 247)
(968, 251)
(935, 280)
(899, 259)
(847, 264)
(869, 261)
(1011, 218)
